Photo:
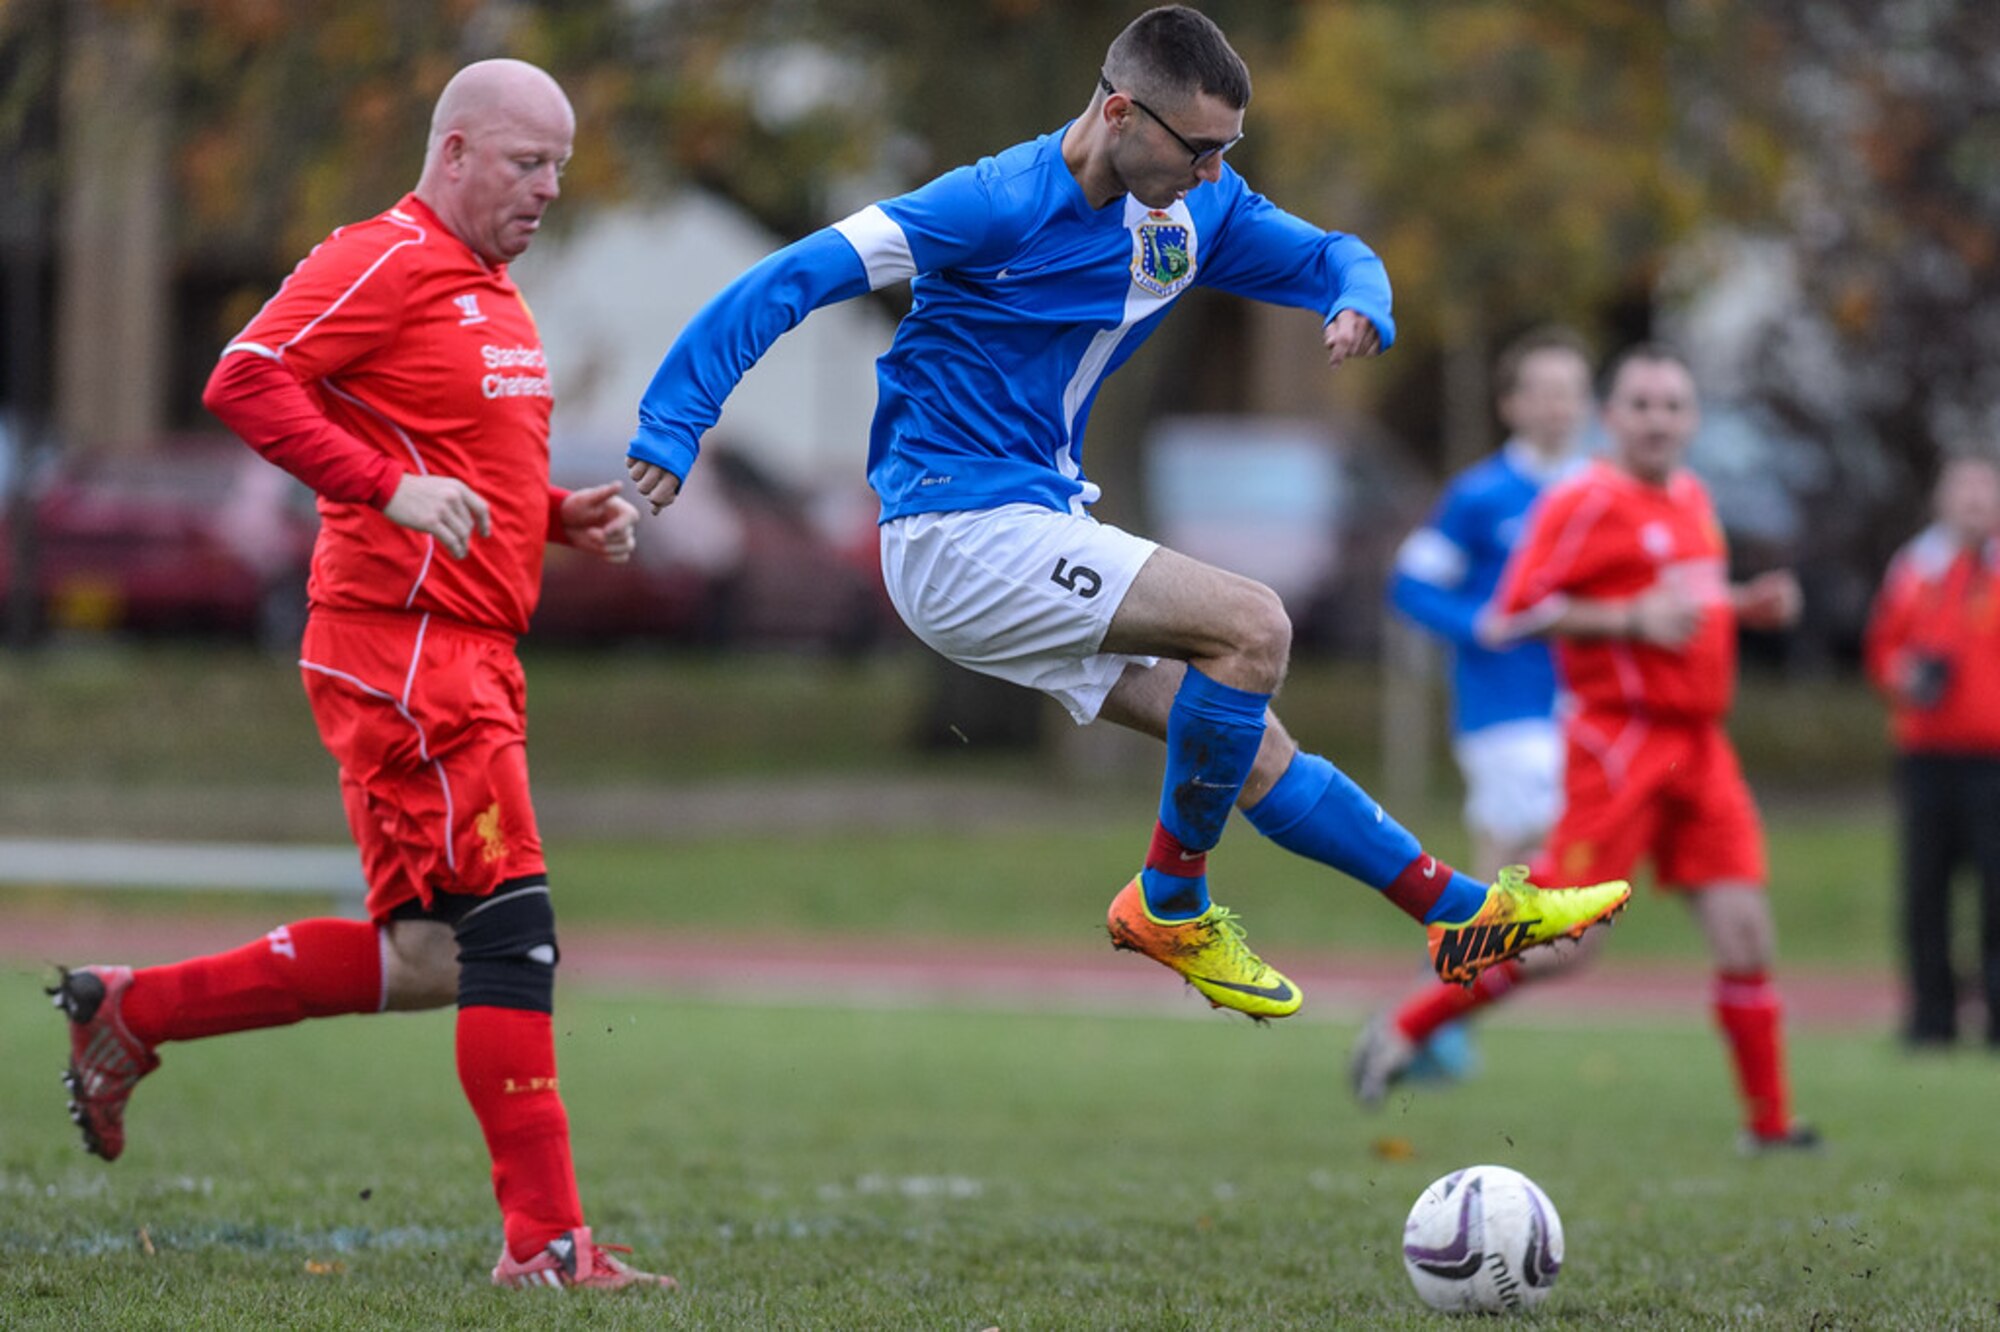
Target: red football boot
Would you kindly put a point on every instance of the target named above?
(106, 1060)
(573, 1259)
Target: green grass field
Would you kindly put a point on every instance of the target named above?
(863, 1169)
(144, 715)
(1831, 887)
(911, 1169)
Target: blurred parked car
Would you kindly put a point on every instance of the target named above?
(203, 536)
(1313, 512)
(739, 560)
(192, 535)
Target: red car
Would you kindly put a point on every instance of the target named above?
(738, 561)
(202, 535)
(195, 534)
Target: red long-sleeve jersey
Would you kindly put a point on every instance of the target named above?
(1941, 600)
(1606, 535)
(392, 349)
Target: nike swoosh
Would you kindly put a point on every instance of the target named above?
(1431, 870)
(1279, 992)
(1193, 855)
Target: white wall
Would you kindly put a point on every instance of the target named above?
(611, 294)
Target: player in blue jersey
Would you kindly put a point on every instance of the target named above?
(1035, 273)
(1505, 735)
(1504, 732)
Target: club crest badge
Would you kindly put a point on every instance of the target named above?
(1162, 254)
(492, 834)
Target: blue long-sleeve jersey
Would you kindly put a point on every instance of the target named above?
(1025, 298)
(1447, 570)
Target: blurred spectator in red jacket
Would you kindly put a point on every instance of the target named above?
(1933, 649)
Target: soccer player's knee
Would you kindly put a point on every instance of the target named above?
(420, 966)
(1741, 931)
(1751, 947)
(507, 950)
(1266, 632)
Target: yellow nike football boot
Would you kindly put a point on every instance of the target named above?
(1208, 951)
(1517, 916)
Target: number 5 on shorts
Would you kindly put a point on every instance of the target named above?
(1077, 578)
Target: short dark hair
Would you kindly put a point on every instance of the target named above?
(1649, 351)
(1547, 337)
(1174, 52)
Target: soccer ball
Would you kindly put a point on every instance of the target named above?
(1484, 1239)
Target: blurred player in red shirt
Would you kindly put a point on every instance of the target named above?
(1625, 568)
(1933, 649)
(399, 374)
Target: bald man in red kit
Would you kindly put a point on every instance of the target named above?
(399, 374)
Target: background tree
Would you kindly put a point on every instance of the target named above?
(1881, 341)
(1513, 164)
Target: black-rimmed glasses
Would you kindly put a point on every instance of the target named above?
(1197, 156)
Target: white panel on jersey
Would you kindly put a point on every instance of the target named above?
(1140, 304)
(884, 249)
(1429, 556)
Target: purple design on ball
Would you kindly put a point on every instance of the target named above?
(1539, 1262)
(1460, 1258)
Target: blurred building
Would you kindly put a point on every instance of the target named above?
(611, 294)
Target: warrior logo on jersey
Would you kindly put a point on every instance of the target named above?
(1162, 254)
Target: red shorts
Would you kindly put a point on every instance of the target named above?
(427, 719)
(1637, 787)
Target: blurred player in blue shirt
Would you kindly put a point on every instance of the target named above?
(1503, 700)
(1504, 732)
(1034, 274)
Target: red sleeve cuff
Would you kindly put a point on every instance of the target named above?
(387, 477)
(558, 534)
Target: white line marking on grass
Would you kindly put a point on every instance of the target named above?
(202, 865)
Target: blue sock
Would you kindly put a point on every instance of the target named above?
(1315, 810)
(1212, 736)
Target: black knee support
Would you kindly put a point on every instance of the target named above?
(507, 949)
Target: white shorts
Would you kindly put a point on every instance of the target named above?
(1513, 778)
(1019, 592)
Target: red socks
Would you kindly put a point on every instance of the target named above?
(310, 968)
(1749, 1012)
(1423, 883)
(1747, 1009)
(1442, 1003)
(320, 968)
(507, 1065)
(1169, 857)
